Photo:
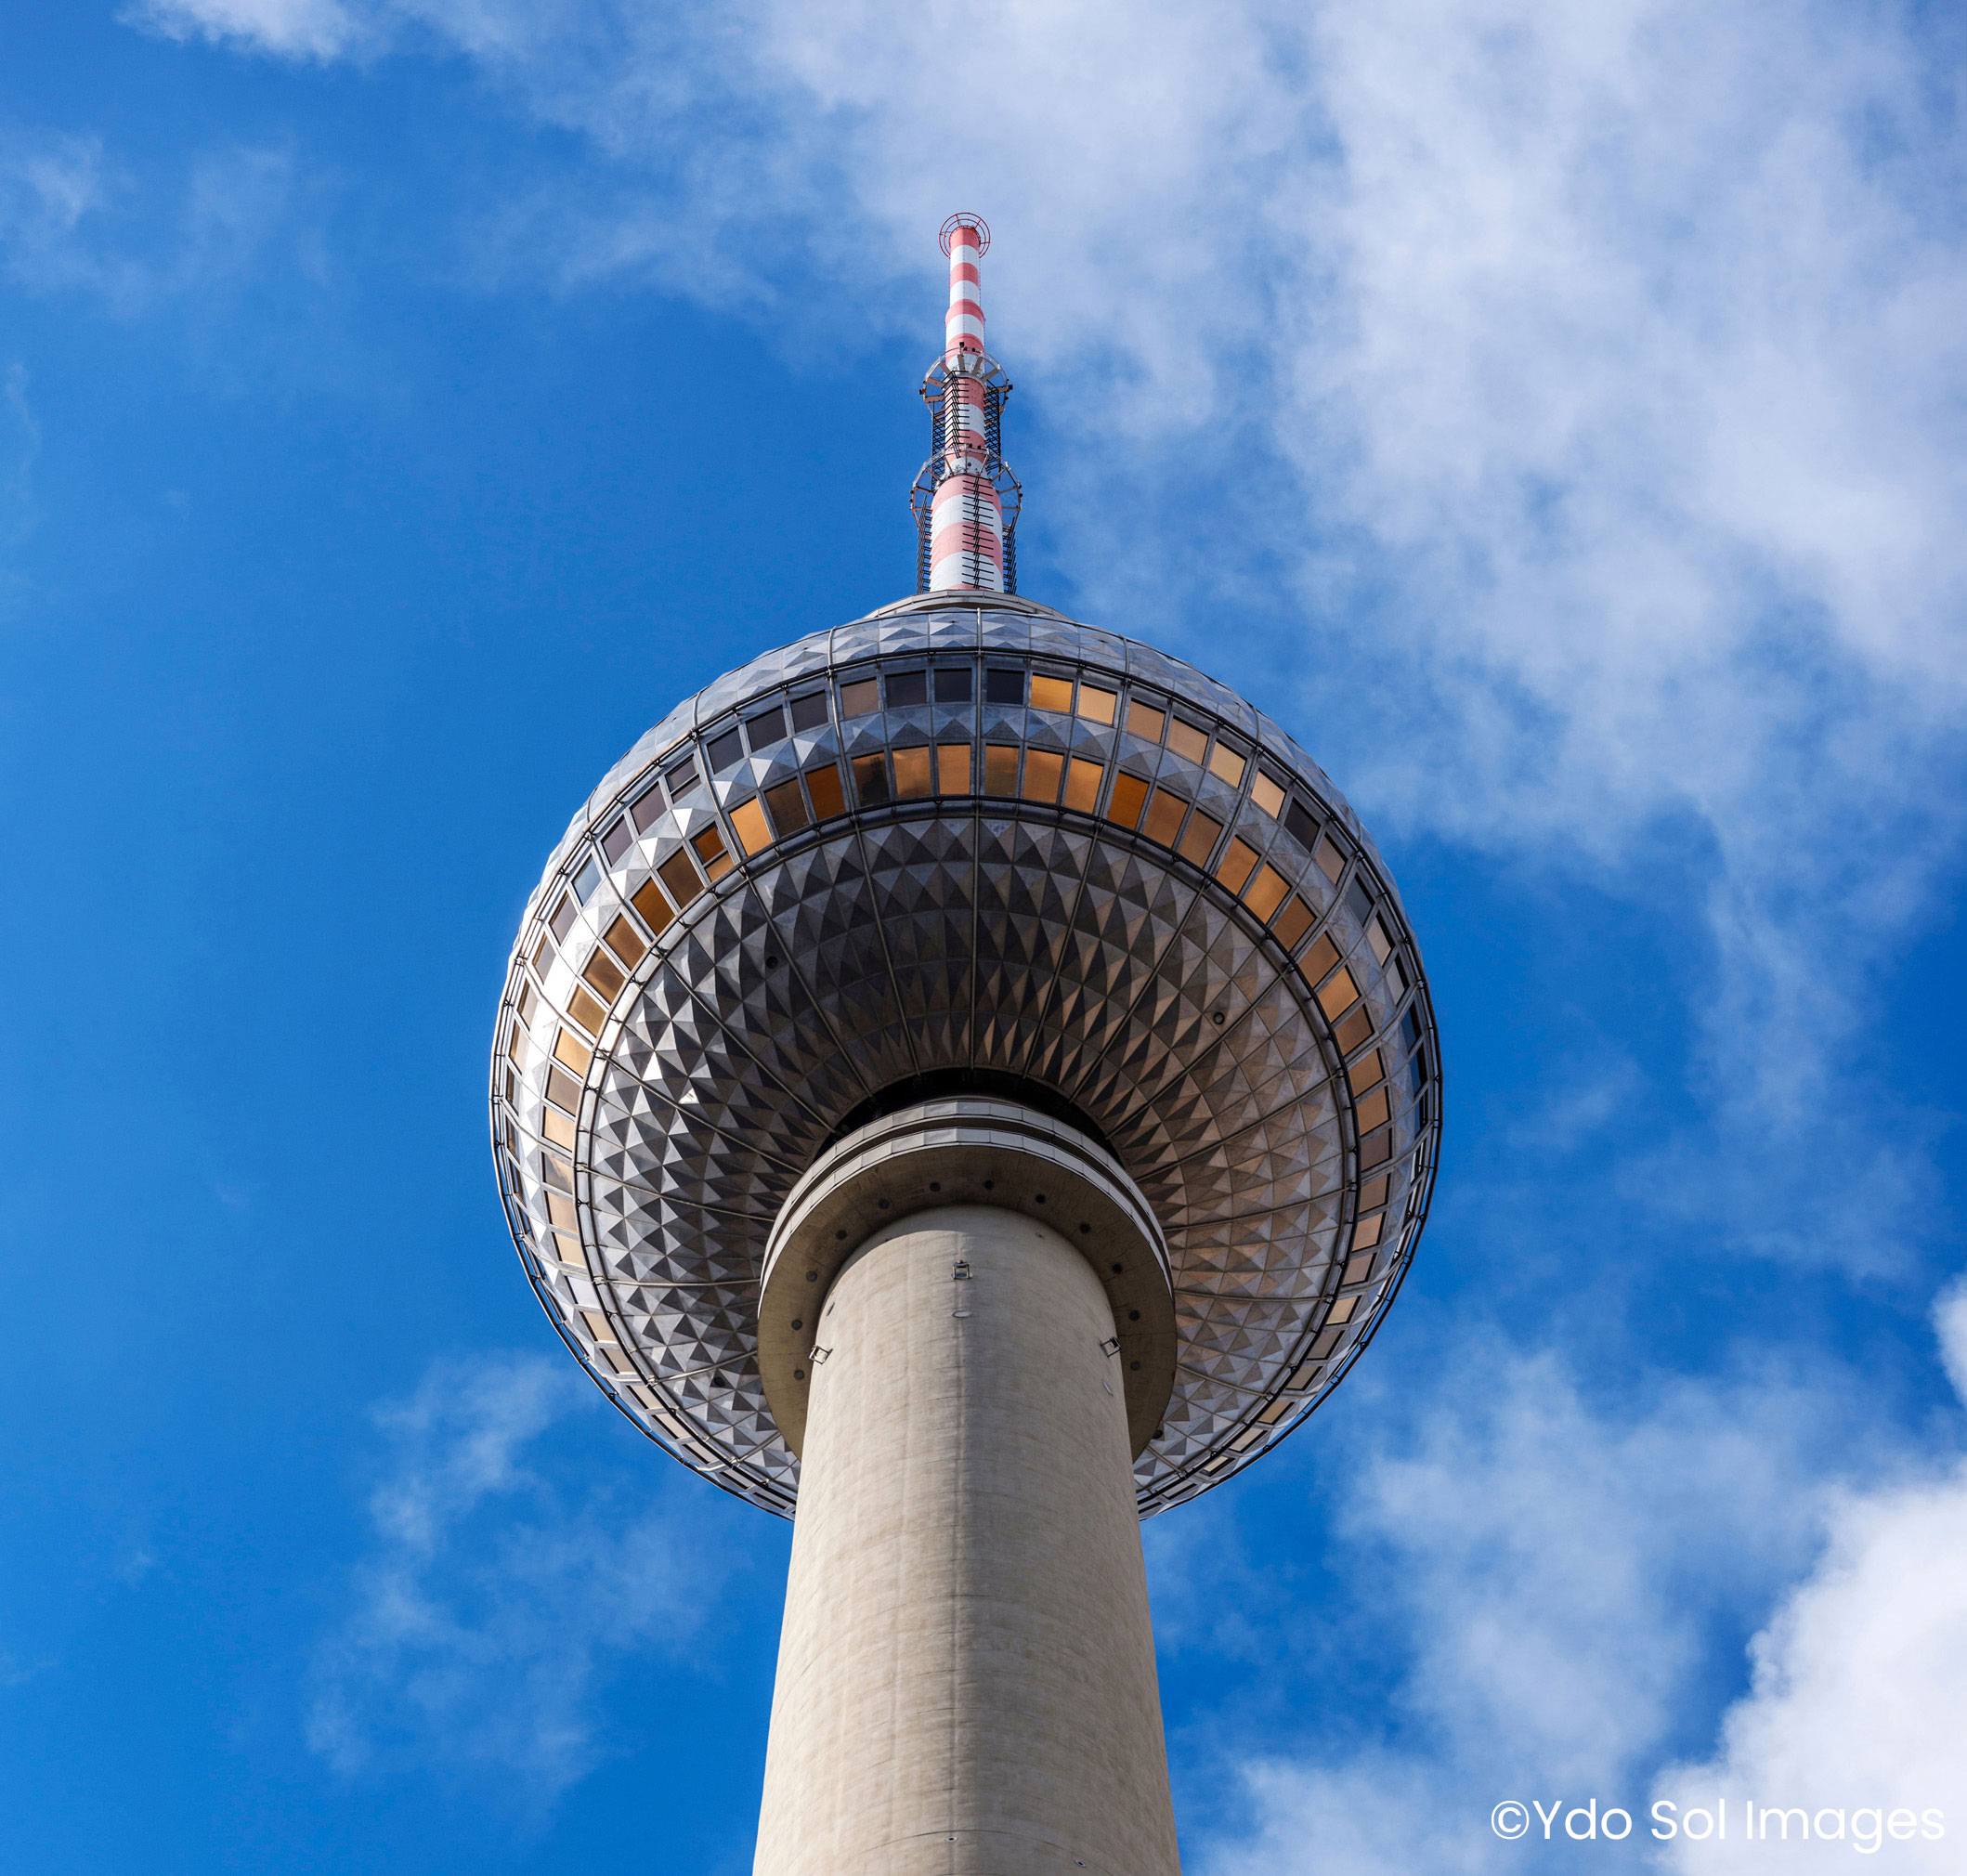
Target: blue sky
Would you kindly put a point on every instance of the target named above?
(1552, 414)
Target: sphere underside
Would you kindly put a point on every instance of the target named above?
(952, 841)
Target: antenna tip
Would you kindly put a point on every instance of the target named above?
(964, 219)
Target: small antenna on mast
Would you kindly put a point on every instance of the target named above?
(966, 500)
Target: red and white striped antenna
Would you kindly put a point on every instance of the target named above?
(966, 500)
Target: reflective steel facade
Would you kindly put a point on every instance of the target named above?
(960, 839)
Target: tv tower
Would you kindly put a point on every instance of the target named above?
(966, 1078)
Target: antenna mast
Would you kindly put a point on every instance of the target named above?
(966, 500)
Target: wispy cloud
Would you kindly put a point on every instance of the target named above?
(19, 444)
(72, 221)
(50, 185)
(489, 1612)
(1582, 1099)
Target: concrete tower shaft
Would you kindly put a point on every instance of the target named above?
(966, 1676)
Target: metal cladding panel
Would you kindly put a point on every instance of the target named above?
(1219, 977)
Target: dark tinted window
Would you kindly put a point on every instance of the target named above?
(614, 842)
(1004, 686)
(953, 685)
(870, 777)
(647, 807)
(563, 919)
(766, 728)
(907, 687)
(1361, 905)
(809, 712)
(723, 750)
(681, 779)
(1303, 828)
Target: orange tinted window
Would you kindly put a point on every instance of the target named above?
(1201, 837)
(1338, 992)
(1051, 693)
(1096, 705)
(605, 974)
(1164, 817)
(680, 876)
(1227, 766)
(1236, 864)
(828, 797)
(1000, 768)
(1353, 1031)
(1144, 720)
(1266, 893)
(1319, 959)
(1042, 770)
(654, 907)
(1129, 792)
(953, 768)
(1082, 785)
(625, 941)
(911, 771)
(748, 824)
(1185, 739)
(1292, 922)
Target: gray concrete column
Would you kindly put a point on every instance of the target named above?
(966, 1675)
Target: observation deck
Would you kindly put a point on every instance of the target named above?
(966, 846)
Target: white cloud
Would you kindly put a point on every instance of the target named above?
(307, 29)
(489, 1613)
(1549, 1569)
(1860, 1696)
(1551, 1572)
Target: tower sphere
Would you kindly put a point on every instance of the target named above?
(966, 851)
